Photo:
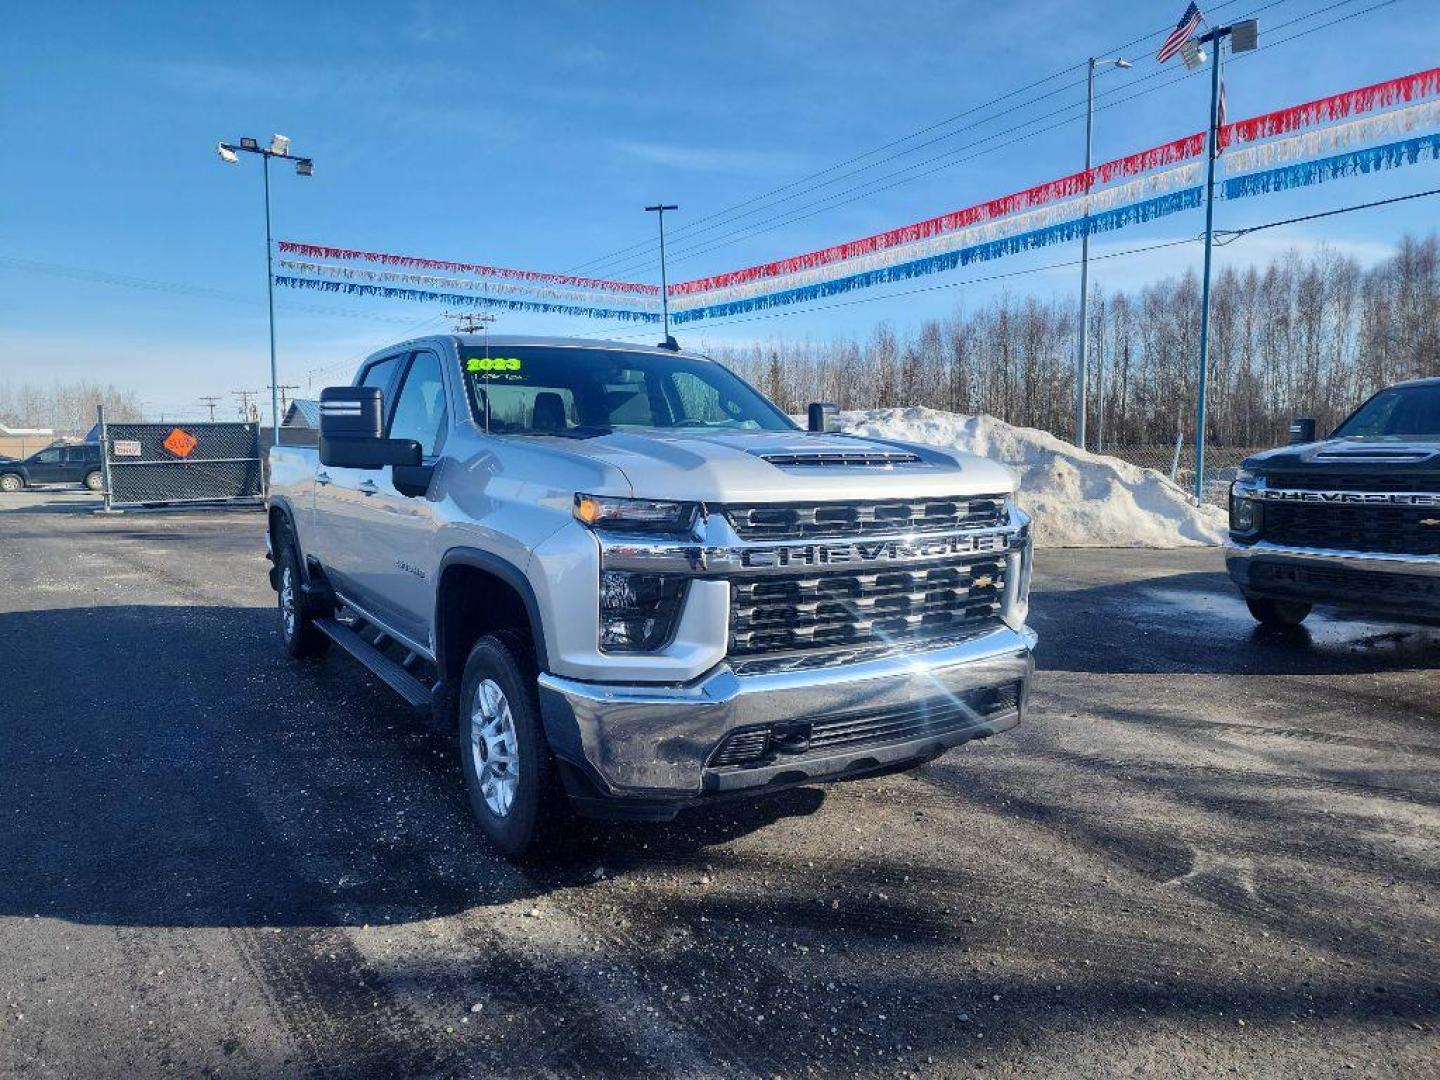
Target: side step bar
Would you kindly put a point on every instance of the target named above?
(392, 674)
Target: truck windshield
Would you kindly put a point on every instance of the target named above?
(580, 392)
(1403, 412)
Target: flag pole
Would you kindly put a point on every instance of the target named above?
(1216, 36)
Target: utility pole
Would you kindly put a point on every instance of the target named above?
(210, 402)
(284, 399)
(1082, 362)
(1243, 37)
(248, 411)
(669, 342)
(279, 148)
(470, 322)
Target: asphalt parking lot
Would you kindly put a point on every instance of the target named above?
(1208, 852)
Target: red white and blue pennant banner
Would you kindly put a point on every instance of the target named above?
(1301, 145)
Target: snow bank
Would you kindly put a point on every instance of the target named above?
(1078, 499)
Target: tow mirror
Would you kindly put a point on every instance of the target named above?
(352, 423)
(818, 412)
(1302, 430)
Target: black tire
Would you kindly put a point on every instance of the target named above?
(1280, 613)
(297, 627)
(11, 482)
(539, 811)
(94, 480)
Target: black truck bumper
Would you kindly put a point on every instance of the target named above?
(1399, 585)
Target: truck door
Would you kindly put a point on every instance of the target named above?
(341, 496)
(76, 464)
(400, 581)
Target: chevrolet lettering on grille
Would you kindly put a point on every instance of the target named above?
(845, 554)
(1347, 498)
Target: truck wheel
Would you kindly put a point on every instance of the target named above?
(515, 794)
(297, 612)
(1277, 612)
(94, 481)
(11, 482)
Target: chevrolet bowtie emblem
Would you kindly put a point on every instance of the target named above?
(984, 581)
(1430, 521)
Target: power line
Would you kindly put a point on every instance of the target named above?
(1231, 235)
(950, 158)
(692, 225)
(210, 403)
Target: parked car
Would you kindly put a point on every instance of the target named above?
(1352, 520)
(78, 464)
(629, 584)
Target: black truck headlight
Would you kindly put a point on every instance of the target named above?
(638, 610)
(1244, 511)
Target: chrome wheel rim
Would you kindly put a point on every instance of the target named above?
(493, 750)
(287, 602)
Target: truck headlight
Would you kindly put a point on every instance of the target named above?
(650, 516)
(638, 611)
(1244, 512)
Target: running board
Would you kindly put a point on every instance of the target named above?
(392, 674)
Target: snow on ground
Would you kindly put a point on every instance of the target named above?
(1078, 499)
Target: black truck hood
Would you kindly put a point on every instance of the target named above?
(1344, 457)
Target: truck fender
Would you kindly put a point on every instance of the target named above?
(507, 572)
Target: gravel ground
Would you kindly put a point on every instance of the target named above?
(1208, 852)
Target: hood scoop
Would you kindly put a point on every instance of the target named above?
(1393, 454)
(806, 458)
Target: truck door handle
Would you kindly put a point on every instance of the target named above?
(322, 478)
(367, 487)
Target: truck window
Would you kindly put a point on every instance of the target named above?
(420, 410)
(381, 373)
(1398, 412)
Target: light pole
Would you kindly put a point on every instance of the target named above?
(660, 208)
(1243, 37)
(1082, 357)
(279, 148)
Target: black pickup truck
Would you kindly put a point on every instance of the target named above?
(1352, 520)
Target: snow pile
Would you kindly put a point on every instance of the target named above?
(1078, 499)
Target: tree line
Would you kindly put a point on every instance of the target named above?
(1305, 335)
(65, 408)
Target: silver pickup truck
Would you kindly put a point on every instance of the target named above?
(630, 584)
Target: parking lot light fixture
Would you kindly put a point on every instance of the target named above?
(279, 148)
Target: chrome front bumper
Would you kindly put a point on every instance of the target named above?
(652, 743)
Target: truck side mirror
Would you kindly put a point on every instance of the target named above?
(817, 413)
(352, 422)
(1302, 430)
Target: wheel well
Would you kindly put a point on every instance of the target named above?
(473, 602)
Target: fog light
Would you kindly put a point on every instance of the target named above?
(638, 611)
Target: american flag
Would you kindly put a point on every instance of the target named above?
(1188, 24)
(1220, 136)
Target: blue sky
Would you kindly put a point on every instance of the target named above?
(532, 134)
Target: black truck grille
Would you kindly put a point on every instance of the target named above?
(1392, 530)
(1354, 584)
(890, 517)
(849, 607)
(844, 732)
(1347, 481)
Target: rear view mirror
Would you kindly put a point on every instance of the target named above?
(1302, 430)
(352, 422)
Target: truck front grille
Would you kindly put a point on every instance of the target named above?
(1391, 530)
(1345, 481)
(1354, 584)
(835, 609)
(888, 517)
(845, 732)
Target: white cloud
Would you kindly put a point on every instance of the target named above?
(712, 159)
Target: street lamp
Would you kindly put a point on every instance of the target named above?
(279, 148)
(1082, 358)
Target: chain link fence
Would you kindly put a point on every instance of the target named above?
(1177, 461)
(165, 464)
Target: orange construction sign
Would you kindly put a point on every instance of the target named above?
(180, 443)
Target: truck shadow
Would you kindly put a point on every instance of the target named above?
(1196, 623)
(168, 766)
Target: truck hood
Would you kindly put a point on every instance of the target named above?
(1350, 455)
(730, 466)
